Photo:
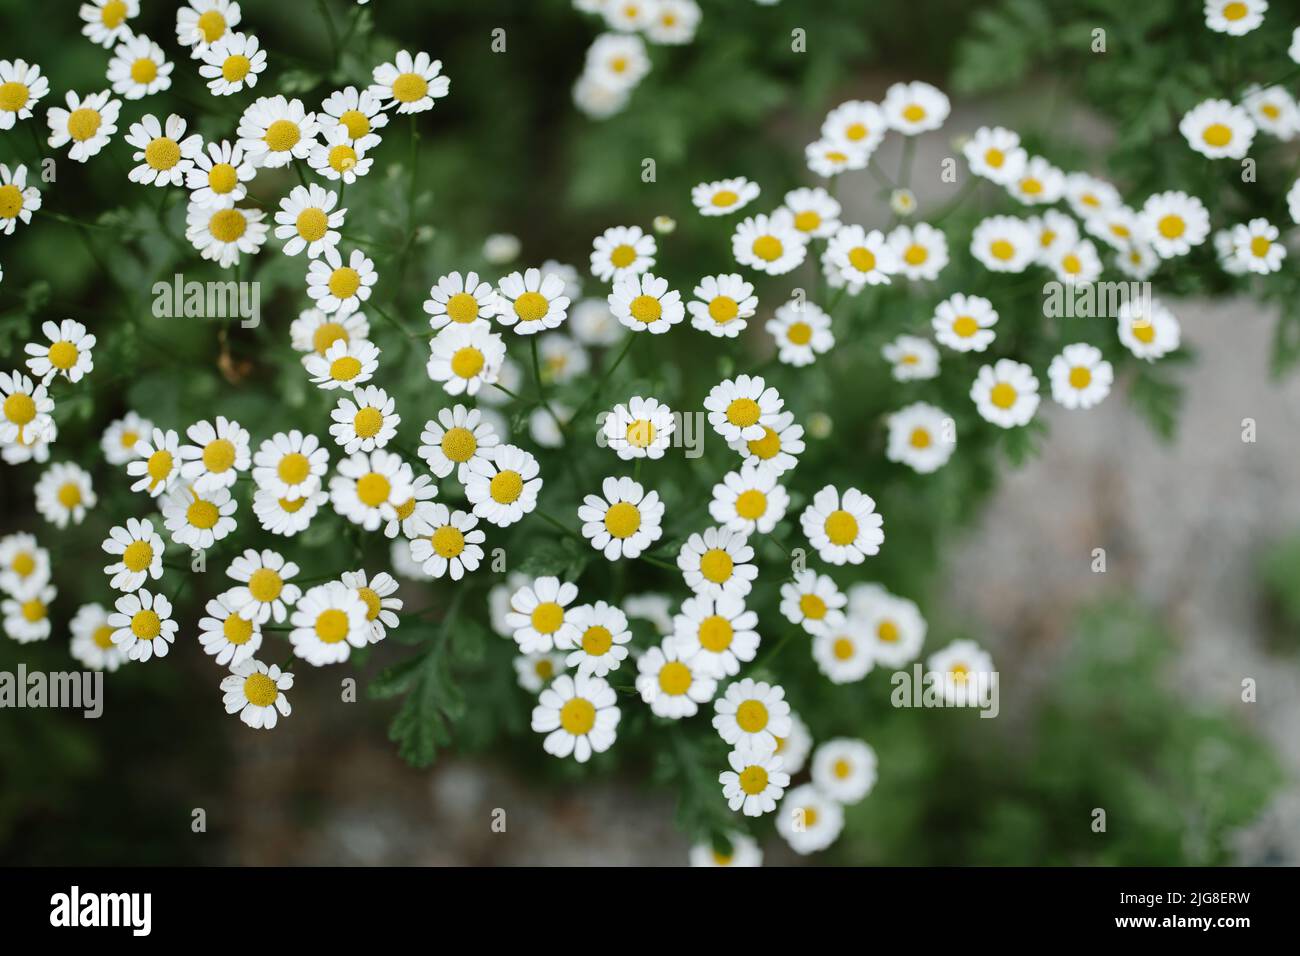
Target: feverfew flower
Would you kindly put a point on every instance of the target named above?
(86, 123)
(21, 88)
(1003, 244)
(465, 358)
(1039, 183)
(802, 331)
(460, 300)
(1005, 393)
(365, 421)
(644, 303)
(858, 125)
(672, 684)
(346, 364)
(92, 640)
(338, 157)
(861, 257)
(913, 108)
(17, 200)
(752, 714)
(755, 782)
(643, 428)
(64, 494)
(227, 635)
(538, 619)
(808, 819)
(381, 607)
(361, 113)
(196, 519)
(308, 220)
(623, 520)
(218, 455)
(232, 63)
(844, 528)
(142, 625)
(1149, 333)
(156, 462)
(223, 234)
(958, 670)
(139, 553)
(265, 590)
(922, 437)
(1080, 377)
(368, 486)
(912, 358)
(893, 627)
(502, 484)
(621, 251)
(778, 448)
(842, 652)
(105, 21)
(531, 302)
(844, 769)
(578, 715)
(964, 323)
(339, 287)
(724, 196)
(27, 617)
(1255, 247)
(920, 251)
(446, 542)
(718, 634)
(743, 407)
(290, 464)
(749, 500)
(1218, 129)
(164, 152)
(995, 154)
(717, 563)
(722, 304)
(770, 244)
(256, 692)
(328, 621)
(601, 637)
(812, 601)
(1173, 222)
(200, 23)
(139, 68)
(274, 131)
(1234, 17)
(451, 441)
(217, 179)
(615, 63)
(68, 353)
(410, 83)
(745, 852)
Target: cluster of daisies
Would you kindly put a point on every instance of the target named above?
(618, 60)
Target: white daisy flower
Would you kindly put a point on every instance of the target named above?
(336, 287)
(717, 562)
(465, 358)
(502, 484)
(367, 487)
(842, 652)
(142, 625)
(274, 131)
(594, 97)
(755, 782)
(286, 516)
(256, 693)
(912, 358)
(654, 609)
(922, 437)
(672, 684)
(499, 602)
(770, 244)
(314, 331)
(1005, 393)
(1039, 183)
(1255, 247)
(812, 601)
(68, 353)
(1003, 244)
(723, 197)
(643, 428)
(466, 300)
(27, 410)
(218, 176)
(828, 157)
(844, 769)
(229, 636)
(1138, 261)
(535, 671)
(1080, 377)
(1218, 129)
(745, 852)
(63, 493)
(417, 504)
(913, 108)
(957, 671)
(233, 63)
(717, 635)
(964, 323)
(644, 303)
(156, 462)
(328, 621)
(808, 820)
(857, 124)
(579, 716)
(815, 212)
(615, 63)
(446, 542)
(1148, 334)
(1077, 264)
(673, 22)
(1089, 196)
(361, 113)
(290, 464)
(199, 519)
(105, 21)
(410, 83)
(722, 304)
(531, 301)
(628, 16)
(562, 360)
(21, 88)
(338, 157)
(795, 748)
(802, 332)
(138, 68)
(778, 448)
(139, 551)
(920, 251)
(1056, 232)
(594, 325)
(622, 251)
(597, 641)
(265, 590)
(844, 529)
(1234, 17)
(17, 200)
(200, 23)
(995, 154)
(752, 714)
(365, 421)
(27, 617)
(381, 606)
(743, 408)
(23, 564)
(861, 257)
(623, 520)
(1172, 222)
(893, 627)
(223, 234)
(308, 220)
(749, 500)
(1119, 227)
(346, 364)
(92, 640)
(1273, 109)
(538, 619)
(457, 436)
(217, 456)
(87, 124)
(1225, 253)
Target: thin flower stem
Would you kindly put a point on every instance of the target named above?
(383, 314)
(604, 379)
(557, 524)
(331, 30)
(905, 162)
(873, 167)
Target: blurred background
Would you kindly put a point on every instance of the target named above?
(1120, 690)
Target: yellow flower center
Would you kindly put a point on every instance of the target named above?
(34, 610)
(342, 158)
(83, 123)
(1144, 331)
(212, 25)
(23, 564)
(1002, 249)
(13, 96)
(312, 224)
(751, 715)
(260, 690)
(409, 87)
(646, 308)
(344, 282)
(1171, 226)
(622, 256)
(547, 617)
(367, 422)
(467, 362)
(812, 606)
(103, 637)
(448, 542)
(202, 514)
(862, 258)
(841, 769)
(235, 68)
(356, 123)
(70, 495)
(1003, 395)
(769, 446)
(914, 113)
(768, 248)
(807, 221)
(641, 433)
(531, 306)
(920, 438)
(743, 412)
(282, 135)
(1072, 264)
(856, 131)
(674, 678)
(144, 70)
(578, 716)
(228, 225)
(11, 201)
(1234, 11)
(159, 466)
(715, 633)
(237, 630)
(994, 157)
(1259, 246)
(753, 780)
(291, 505)
(506, 487)
(112, 13)
(345, 369)
(841, 527)
(219, 455)
(887, 631)
(724, 198)
(332, 626)
(146, 624)
(597, 640)
(1031, 186)
(623, 519)
(222, 178)
(723, 309)
(265, 585)
(716, 565)
(842, 648)
(459, 444)
(965, 326)
(462, 308)
(137, 556)
(1080, 377)
(373, 489)
(1217, 135)
(162, 153)
(916, 254)
(63, 355)
(373, 604)
(293, 468)
(751, 504)
(799, 333)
